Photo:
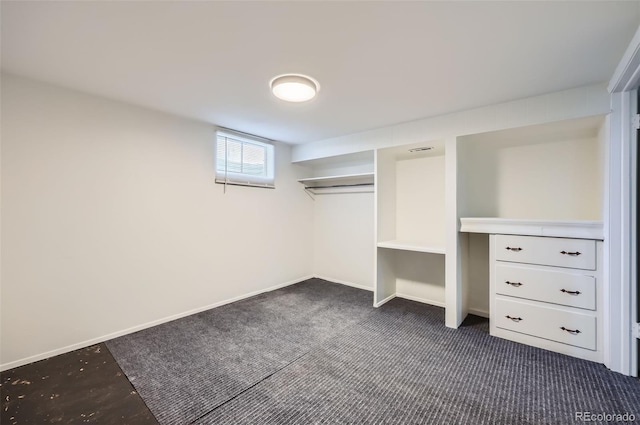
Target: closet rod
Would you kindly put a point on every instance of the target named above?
(339, 185)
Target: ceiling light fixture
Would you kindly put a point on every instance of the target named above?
(294, 87)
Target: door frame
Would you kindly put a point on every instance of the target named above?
(621, 351)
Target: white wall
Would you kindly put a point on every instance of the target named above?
(111, 220)
(562, 177)
(420, 277)
(560, 180)
(344, 245)
(420, 206)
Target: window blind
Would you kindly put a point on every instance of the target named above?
(244, 160)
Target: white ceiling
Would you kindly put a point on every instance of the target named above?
(378, 63)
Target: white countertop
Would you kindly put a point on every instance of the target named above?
(580, 229)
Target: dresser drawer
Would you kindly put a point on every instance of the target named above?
(558, 287)
(559, 252)
(567, 327)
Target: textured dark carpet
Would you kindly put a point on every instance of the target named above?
(185, 368)
(394, 365)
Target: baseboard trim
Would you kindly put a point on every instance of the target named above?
(478, 312)
(93, 341)
(421, 300)
(344, 282)
(386, 300)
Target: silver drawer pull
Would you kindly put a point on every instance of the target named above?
(571, 331)
(516, 249)
(575, 254)
(515, 319)
(516, 284)
(570, 292)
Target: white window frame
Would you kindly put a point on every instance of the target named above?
(227, 177)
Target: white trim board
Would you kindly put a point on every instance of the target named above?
(397, 295)
(344, 282)
(411, 246)
(478, 312)
(422, 300)
(634, 245)
(386, 300)
(411, 298)
(627, 74)
(551, 228)
(620, 353)
(93, 341)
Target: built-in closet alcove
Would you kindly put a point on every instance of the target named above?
(410, 223)
(543, 184)
(342, 190)
(552, 174)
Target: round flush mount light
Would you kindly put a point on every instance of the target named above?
(294, 87)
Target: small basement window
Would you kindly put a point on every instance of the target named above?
(243, 159)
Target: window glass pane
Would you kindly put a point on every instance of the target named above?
(253, 160)
(234, 156)
(220, 154)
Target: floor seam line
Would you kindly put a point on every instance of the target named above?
(250, 387)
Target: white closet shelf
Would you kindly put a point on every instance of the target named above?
(338, 181)
(580, 229)
(411, 246)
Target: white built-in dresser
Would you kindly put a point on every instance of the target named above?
(546, 285)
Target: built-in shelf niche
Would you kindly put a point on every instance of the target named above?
(411, 246)
(410, 202)
(550, 172)
(411, 198)
(413, 275)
